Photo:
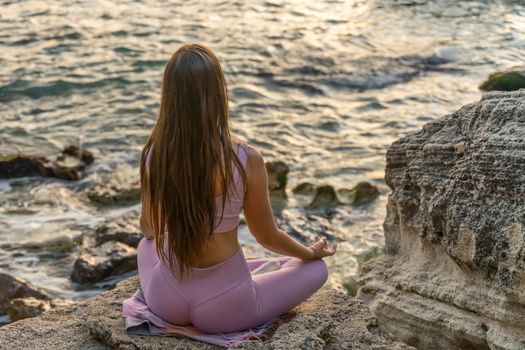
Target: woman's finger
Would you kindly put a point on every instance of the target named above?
(331, 250)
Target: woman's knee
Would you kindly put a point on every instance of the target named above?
(320, 271)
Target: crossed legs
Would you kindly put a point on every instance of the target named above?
(263, 296)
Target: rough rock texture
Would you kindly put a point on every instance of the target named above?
(453, 276)
(328, 320)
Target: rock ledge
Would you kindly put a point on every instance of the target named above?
(453, 276)
(330, 319)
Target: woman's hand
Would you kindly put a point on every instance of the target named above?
(321, 249)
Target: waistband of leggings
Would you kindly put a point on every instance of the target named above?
(232, 267)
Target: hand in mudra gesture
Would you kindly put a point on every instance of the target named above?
(321, 249)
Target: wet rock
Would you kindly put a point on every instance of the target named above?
(453, 272)
(362, 193)
(13, 288)
(124, 232)
(304, 188)
(63, 167)
(277, 176)
(330, 125)
(509, 80)
(329, 319)
(325, 197)
(86, 156)
(109, 259)
(57, 245)
(115, 193)
(19, 166)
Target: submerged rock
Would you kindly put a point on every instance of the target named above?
(329, 319)
(109, 259)
(58, 245)
(19, 166)
(453, 276)
(509, 80)
(86, 156)
(304, 188)
(64, 167)
(362, 193)
(325, 197)
(115, 193)
(277, 176)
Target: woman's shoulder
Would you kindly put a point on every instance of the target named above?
(255, 162)
(252, 157)
(254, 153)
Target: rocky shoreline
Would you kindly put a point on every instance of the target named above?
(330, 319)
(452, 274)
(102, 255)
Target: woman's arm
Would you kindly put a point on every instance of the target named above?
(258, 212)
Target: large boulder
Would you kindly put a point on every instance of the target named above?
(453, 276)
(329, 319)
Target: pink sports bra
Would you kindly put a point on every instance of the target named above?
(233, 206)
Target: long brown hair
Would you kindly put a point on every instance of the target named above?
(191, 148)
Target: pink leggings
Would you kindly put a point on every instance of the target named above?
(226, 297)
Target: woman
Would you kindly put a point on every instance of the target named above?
(195, 181)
